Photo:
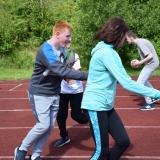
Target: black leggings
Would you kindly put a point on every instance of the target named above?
(103, 123)
(76, 111)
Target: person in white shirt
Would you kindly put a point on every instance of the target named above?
(71, 92)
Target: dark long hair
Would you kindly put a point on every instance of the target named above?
(112, 32)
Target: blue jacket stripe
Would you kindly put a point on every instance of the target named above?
(49, 53)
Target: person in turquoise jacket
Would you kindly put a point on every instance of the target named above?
(105, 70)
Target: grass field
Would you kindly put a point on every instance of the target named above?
(16, 74)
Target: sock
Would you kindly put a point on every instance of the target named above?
(21, 149)
(33, 158)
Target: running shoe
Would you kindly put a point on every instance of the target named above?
(62, 141)
(38, 158)
(147, 107)
(19, 155)
(155, 100)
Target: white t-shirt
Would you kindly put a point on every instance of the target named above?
(77, 86)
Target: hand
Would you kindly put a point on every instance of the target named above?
(70, 81)
(135, 63)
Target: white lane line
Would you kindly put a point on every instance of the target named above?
(78, 127)
(16, 110)
(24, 110)
(132, 96)
(141, 157)
(130, 108)
(17, 90)
(84, 157)
(15, 87)
(11, 98)
(146, 127)
(2, 128)
(13, 83)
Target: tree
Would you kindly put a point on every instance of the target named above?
(90, 15)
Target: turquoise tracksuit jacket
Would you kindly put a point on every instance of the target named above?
(104, 71)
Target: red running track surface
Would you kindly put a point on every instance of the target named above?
(16, 119)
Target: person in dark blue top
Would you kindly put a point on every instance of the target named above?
(44, 89)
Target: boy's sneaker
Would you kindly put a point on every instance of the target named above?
(147, 107)
(155, 100)
(19, 155)
(62, 141)
(38, 158)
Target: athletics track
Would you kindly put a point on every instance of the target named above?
(16, 119)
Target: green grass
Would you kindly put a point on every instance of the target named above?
(21, 74)
(136, 72)
(15, 74)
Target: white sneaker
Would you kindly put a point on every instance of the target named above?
(155, 100)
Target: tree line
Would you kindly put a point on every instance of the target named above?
(27, 24)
